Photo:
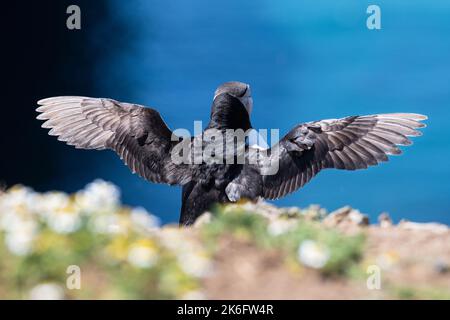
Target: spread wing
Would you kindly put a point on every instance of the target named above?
(137, 134)
(350, 143)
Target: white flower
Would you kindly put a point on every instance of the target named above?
(56, 210)
(103, 223)
(190, 256)
(279, 226)
(51, 202)
(98, 196)
(172, 238)
(142, 256)
(64, 221)
(17, 197)
(143, 220)
(47, 291)
(313, 254)
(107, 223)
(195, 263)
(19, 240)
(14, 220)
(15, 207)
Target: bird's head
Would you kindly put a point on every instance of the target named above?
(238, 90)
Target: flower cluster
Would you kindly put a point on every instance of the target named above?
(122, 252)
(86, 245)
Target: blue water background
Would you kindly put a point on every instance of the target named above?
(305, 60)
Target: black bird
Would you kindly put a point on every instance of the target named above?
(145, 143)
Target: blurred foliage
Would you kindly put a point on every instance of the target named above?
(420, 293)
(123, 253)
(296, 233)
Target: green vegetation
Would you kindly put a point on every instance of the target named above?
(49, 241)
(329, 250)
(121, 252)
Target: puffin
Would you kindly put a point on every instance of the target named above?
(144, 142)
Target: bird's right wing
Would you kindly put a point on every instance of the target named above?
(350, 143)
(137, 134)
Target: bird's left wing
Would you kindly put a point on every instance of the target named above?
(350, 143)
(136, 133)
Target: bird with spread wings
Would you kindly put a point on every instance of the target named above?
(145, 144)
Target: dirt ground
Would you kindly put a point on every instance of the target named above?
(413, 260)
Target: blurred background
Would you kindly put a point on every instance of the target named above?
(305, 60)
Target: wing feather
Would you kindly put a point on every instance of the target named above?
(350, 143)
(136, 133)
